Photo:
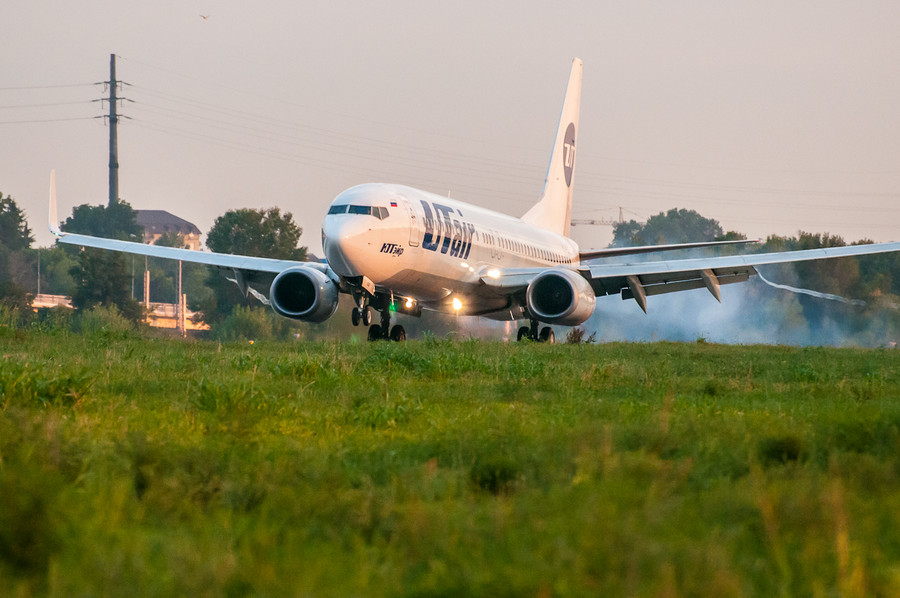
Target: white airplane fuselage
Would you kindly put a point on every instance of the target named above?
(434, 249)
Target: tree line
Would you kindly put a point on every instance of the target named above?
(104, 279)
(96, 278)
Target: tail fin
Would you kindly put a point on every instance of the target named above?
(554, 209)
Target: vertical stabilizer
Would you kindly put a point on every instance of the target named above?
(553, 211)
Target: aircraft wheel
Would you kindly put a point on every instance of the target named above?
(354, 316)
(366, 316)
(398, 333)
(374, 332)
(522, 334)
(547, 335)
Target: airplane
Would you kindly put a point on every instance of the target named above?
(396, 249)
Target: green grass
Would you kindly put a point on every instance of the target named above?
(442, 468)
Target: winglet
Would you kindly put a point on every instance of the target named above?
(53, 221)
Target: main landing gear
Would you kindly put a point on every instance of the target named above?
(531, 333)
(383, 331)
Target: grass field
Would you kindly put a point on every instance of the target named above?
(154, 467)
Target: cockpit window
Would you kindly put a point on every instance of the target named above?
(342, 209)
(360, 209)
(378, 212)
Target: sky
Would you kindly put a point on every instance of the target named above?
(771, 117)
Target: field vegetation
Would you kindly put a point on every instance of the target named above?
(437, 468)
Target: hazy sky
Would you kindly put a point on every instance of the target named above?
(769, 116)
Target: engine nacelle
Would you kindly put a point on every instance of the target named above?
(303, 293)
(560, 297)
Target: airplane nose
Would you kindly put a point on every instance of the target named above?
(347, 243)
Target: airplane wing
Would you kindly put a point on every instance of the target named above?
(209, 258)
(640, 280)
(245, 268)
(619, 251)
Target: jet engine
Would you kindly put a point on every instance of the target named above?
(303, 294)
(560, 297)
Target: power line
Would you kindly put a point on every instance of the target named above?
(47, 120)
(47, 104)
(281, 123)
(24, 88)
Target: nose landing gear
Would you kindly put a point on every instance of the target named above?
(361, 315)
(382, 331)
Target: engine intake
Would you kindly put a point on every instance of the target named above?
(560, 297)
(303, 294)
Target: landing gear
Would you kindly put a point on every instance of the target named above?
(361, 314)
(534, 333)
(383, 331)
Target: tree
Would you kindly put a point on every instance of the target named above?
(674, 226)
(15, 240)
(14, 232)
(260, 233)
(103, 277)
(56, 270)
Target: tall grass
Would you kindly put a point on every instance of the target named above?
(446, 468)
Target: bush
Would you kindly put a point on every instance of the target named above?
(575, 336)
(54, 319)
(105, 321)
(10, 319)
(245, 324)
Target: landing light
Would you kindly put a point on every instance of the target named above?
(493, 273)
(457, 304)
(409, 303)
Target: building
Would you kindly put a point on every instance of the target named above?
(157, 223)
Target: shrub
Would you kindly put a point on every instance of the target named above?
(245, 324)
(575, 336)
(103, 321)
(53, 319)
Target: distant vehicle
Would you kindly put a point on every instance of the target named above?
(398, 249)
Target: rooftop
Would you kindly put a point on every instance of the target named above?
(161, 222)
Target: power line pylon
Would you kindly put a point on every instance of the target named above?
(113, 134)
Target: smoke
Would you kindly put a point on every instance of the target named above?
(755, 312)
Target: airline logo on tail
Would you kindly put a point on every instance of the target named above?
(569, 153)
